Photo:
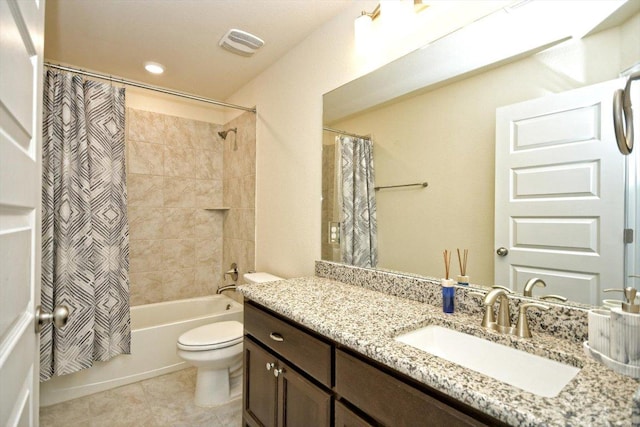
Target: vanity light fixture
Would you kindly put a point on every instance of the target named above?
(366, 18)
(154, 67)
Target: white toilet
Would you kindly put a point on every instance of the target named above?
(216, 350)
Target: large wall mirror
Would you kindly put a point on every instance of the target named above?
(435, 116)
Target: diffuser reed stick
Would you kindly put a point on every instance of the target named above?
(462, 261)
(447, 263)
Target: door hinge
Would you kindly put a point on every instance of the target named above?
(628, 235)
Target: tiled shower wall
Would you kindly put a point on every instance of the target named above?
(330, 251)
(239, 194)
(174, 173)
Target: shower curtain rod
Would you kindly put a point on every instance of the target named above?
(341, 132)
(148, 87)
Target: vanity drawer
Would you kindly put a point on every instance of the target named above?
(308, 353)
(389, 400)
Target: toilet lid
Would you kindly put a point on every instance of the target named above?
(212, 336)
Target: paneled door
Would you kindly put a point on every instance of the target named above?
(560, 183)
(21, 48)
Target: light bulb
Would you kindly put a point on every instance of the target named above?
(154, 67)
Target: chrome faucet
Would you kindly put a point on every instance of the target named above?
(503, 323)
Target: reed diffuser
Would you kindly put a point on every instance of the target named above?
(448, 291)
(463, 279)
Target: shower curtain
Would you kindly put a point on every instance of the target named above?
(85, 233)
(358, 236)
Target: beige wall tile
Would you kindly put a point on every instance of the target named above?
(179, 284)
(208, 251)
(146, 158)
(144, 190)
(178, 254)
(179, 161)
(145, 223)
(180, 132)
(176, 245)
(205, 136)
(145, 255)
(179, 192)
(209, 165)
(146, 126)
(146, 288)
(208, 278)
(240, 252)
(178, 223)
(248, 192)
(208, 224)
(208, 193)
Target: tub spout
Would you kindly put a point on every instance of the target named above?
(225, 288)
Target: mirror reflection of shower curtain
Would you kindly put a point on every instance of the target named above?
(85, 233)
(358, 234)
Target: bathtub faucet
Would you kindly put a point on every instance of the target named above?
(225, 288)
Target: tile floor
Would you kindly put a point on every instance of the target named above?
(162, 401)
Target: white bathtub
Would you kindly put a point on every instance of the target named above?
(155, 329)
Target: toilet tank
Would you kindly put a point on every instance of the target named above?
(260, 277)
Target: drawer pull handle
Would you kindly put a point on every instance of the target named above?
(277, 372)
(276, 337)
(270, 365)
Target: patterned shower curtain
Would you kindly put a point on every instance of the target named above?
(85, 233)
(358, 237)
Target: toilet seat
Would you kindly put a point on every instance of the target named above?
(211, 337)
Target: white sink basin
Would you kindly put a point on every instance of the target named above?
(526, 371)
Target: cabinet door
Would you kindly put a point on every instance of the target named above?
(260, 398)
(390, 401)
(301, 403)
(344, 417)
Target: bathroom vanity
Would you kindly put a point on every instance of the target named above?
(319, 351)
(319, 371)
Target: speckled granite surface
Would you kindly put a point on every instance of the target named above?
(574, 325)
(635, 419)
(367, 320)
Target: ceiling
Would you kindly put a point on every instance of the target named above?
(117, 36)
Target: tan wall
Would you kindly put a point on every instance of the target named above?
(174, 172)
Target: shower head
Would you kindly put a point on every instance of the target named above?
(223, 134)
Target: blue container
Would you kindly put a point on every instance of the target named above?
(448, 298)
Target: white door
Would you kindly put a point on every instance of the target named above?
(21, 47)
(560, 194)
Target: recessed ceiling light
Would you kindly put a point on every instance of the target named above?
(154, 67)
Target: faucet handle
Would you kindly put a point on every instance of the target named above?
(522, 327)
(555, 297)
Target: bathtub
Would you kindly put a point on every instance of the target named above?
(155, 329)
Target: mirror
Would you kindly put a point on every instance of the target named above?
(437, 123)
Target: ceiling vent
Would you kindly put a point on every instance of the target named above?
(240, 42)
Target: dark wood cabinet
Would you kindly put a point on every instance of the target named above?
(345, 417)
(294, 377)
(260, 387)
(390, 401)
(277, 394)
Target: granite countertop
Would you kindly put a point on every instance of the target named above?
(367, 321)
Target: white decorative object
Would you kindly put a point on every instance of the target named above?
(599, 330)
(621, 368)
(625, 337)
